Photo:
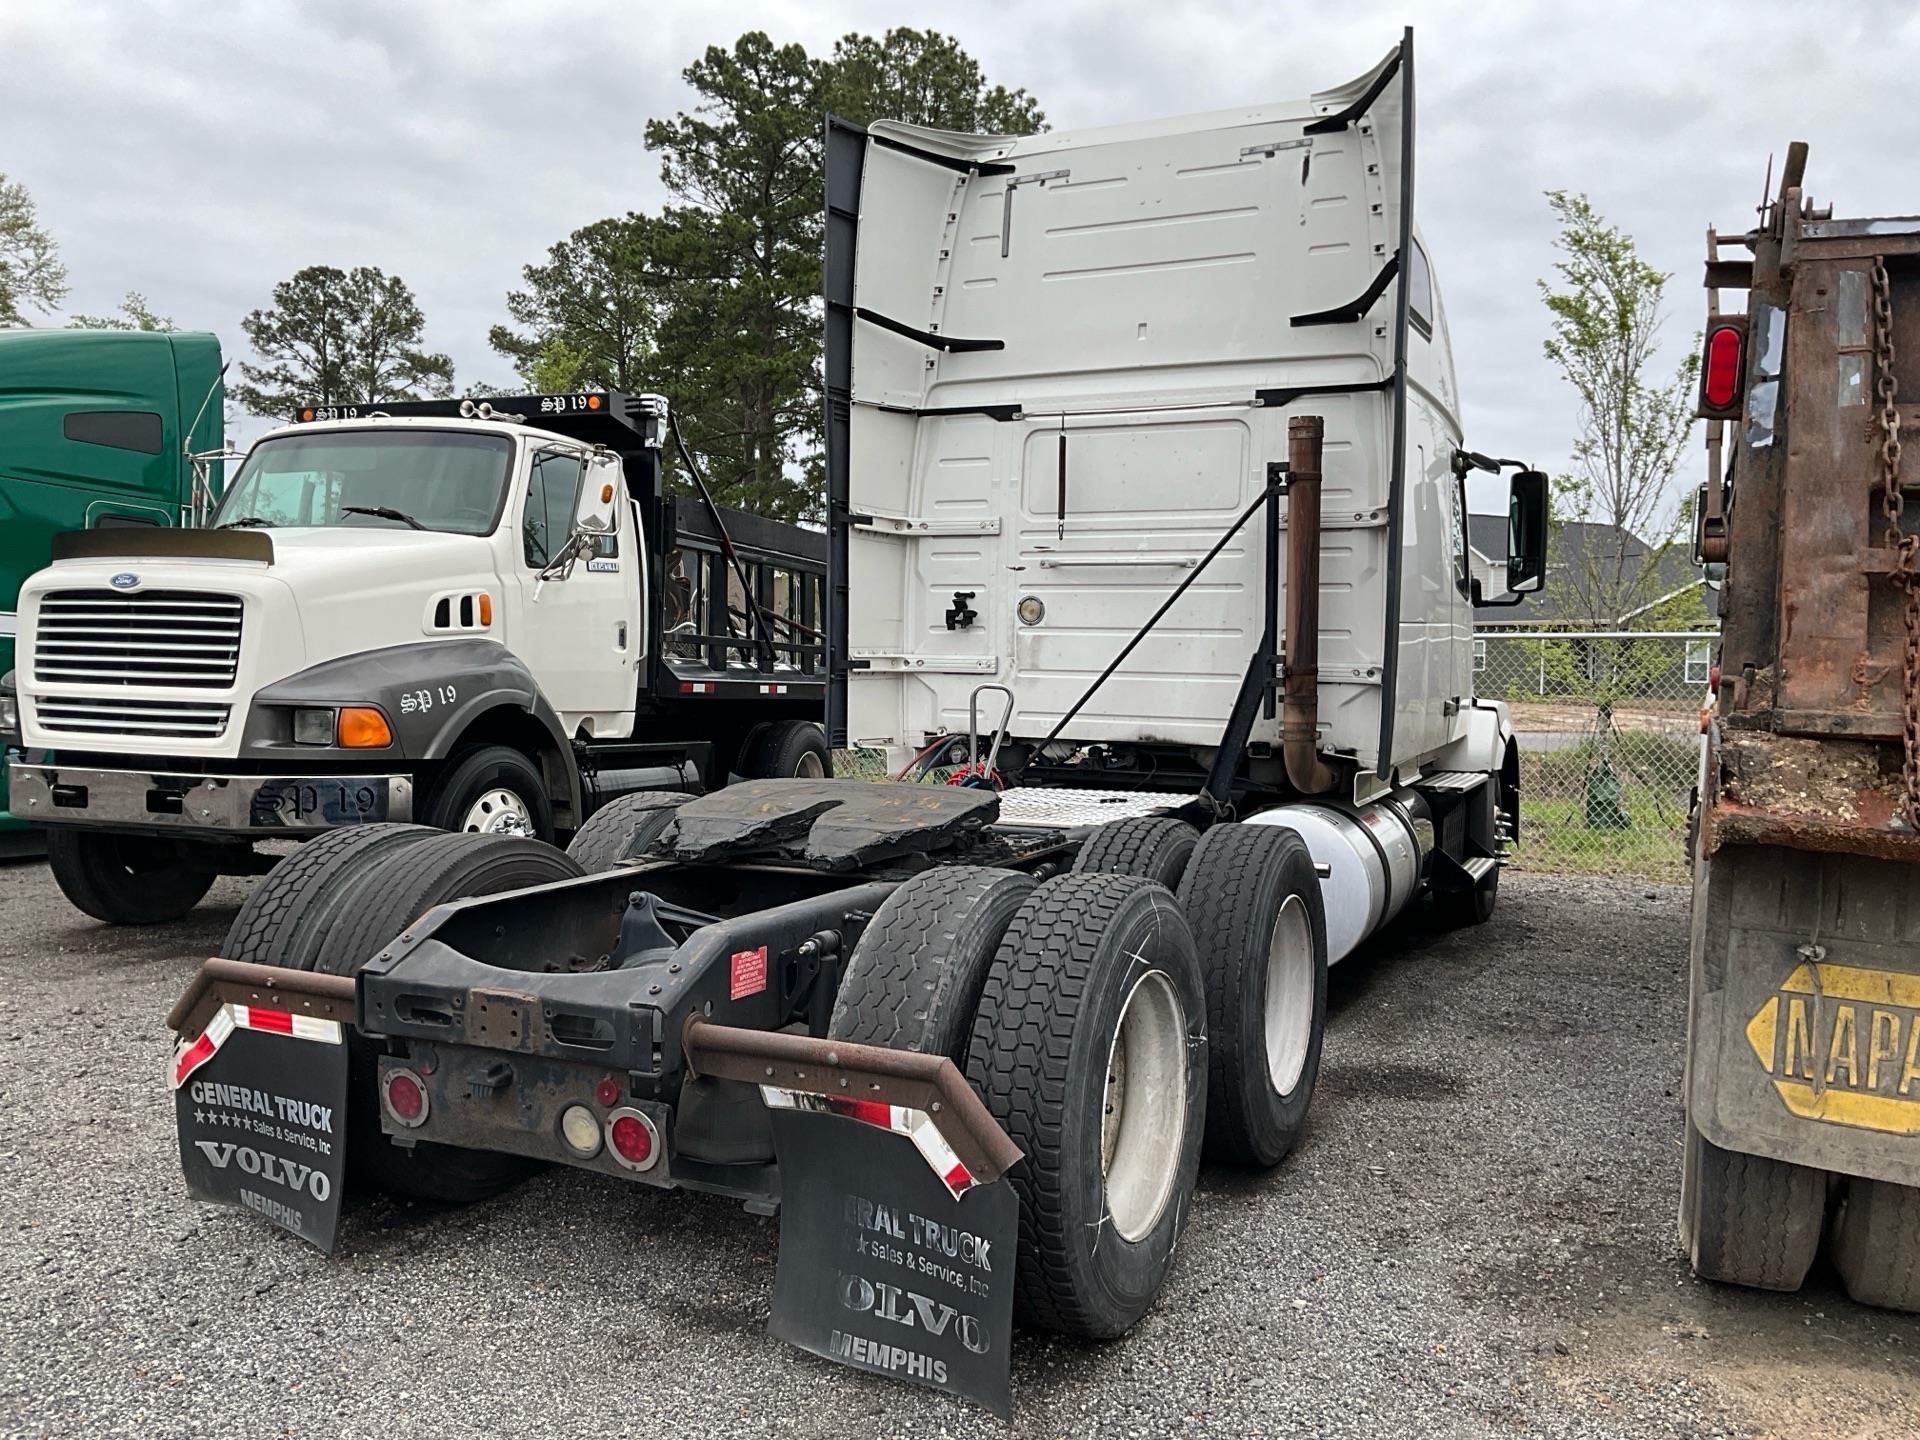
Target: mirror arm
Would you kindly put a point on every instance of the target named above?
(1502, 602)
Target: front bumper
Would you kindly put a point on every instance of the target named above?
(260, 805)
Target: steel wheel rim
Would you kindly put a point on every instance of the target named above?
(810, 768)
(498, 812)
(1289, 1000)
(1144, 1106)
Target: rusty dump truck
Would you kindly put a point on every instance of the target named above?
(1803, 1050)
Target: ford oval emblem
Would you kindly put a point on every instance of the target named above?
(125, 580)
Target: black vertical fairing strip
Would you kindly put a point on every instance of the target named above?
(846, 154)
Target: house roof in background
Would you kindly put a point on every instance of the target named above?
(1573, 545)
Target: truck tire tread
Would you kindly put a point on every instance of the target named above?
(1235, 885)
(622, 828)
(914, 979)
(1749, 1219)
(281, 923)
(1074, 942)
(1155, 847)
(1876, 1244)
(397, 890)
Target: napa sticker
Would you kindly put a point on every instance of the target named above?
(1842, 1044)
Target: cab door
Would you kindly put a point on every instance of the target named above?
(580, 632)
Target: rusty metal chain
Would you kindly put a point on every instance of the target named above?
(1905, 547)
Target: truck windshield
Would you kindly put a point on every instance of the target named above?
(432, 479)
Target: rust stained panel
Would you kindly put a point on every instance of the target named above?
(1825, 659)
(1840, 796)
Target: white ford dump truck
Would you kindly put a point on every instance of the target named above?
(483, 617)
(1146, 493)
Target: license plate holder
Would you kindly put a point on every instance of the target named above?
(319, 803)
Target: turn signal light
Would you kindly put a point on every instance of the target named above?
(364, 728)
(486, 608)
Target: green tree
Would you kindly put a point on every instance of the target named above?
(715, 300)
(31, 274)
(739, 333)
(135, 314)
(339, 337)
(923, 78)
(1605, 309)
(588, 315)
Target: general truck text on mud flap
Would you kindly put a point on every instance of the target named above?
(888, 1263)
(260, 1107)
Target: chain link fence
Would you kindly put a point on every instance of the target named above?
(1609, 731)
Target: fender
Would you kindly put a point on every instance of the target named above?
(1484, 744)
(431, 691)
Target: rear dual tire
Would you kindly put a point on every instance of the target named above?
(1252, 897)
(1089, 1048)
(1075, 1008)
(332, 906)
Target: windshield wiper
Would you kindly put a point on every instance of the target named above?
(245, 520)
(383, 512)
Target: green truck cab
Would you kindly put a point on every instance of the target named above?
(98, 428)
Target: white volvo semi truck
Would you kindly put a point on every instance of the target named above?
(1146, 490)
(484, 617)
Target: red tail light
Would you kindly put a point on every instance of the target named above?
(1721, 368)
(631, 1137)
(406, 1097)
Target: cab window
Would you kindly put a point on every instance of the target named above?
(548, 519)
(1420, 292)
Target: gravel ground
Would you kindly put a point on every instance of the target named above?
(1476, 1238)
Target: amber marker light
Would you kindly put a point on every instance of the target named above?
(593, 402)
(364, 728)
(486, 608)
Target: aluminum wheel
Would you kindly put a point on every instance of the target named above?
(810, 768)
(498, 812)
(1145, 1106)
(1289, 995)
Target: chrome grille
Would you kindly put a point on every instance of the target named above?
(169, 638)
(90, 715)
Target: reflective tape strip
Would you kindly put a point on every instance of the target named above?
(773, 689)
(915, 1125)
(190, 1055)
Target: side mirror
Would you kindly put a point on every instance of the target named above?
(593, 507)
(1527, 532)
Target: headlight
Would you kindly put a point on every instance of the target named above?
(9, 713)
(313, 727)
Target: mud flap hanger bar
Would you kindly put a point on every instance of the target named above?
(262, 987)
(832, 1068)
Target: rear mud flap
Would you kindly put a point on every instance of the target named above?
(883, 1267)
(259, 1076)
(897, 1229)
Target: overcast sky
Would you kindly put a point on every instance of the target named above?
(199, 152)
